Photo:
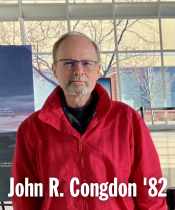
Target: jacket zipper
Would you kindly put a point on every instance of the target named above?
(80, 147)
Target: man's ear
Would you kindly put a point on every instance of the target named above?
(99, 71)
(54, 70)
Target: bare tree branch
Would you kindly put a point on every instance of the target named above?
(44, 76)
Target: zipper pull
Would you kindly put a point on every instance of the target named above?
(80, 147)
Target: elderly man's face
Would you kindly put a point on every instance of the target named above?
(77, 81)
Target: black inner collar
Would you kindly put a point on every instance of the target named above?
(80, 118)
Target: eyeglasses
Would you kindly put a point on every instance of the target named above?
(69, 64)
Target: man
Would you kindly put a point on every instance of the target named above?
(80, 133)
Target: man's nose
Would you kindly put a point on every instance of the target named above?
(78, 69)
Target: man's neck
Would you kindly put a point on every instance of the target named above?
(77, 101)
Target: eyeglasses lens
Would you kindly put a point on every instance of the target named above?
(68, 64)
(71, 64)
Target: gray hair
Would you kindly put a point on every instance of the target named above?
(72, 33)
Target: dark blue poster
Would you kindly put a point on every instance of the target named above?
(16, 103)
(106, 83)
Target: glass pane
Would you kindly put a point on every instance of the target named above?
(44, 81)
(101, 31)
(135, 1)
(169, 62)
(141, 80)
(43, 1)
(110, 72)
(138, 34)
(8, 1)
(43, 34)
(167, 0)
(89, 1)
(168, 33)
(10, 33)
(171, 116)
(165, 145)
(157, 117)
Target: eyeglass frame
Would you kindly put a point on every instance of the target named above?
(95, 62)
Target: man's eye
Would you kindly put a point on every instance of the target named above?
(69, 63)
(85, 63)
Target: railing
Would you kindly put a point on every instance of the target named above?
(2, 204)
(143, 109)
(157, 119)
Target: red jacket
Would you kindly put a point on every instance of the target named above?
(116, 144)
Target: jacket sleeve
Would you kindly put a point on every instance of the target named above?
(25, 166)
(145, 165)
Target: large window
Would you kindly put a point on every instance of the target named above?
(10, 33)
(43, 34)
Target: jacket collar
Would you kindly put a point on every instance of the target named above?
(52, 112)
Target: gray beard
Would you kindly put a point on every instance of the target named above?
(76, 89)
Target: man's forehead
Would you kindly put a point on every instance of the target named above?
(75, 39)
(75, 42)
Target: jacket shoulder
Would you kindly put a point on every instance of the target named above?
(125, 110)
(33, 118)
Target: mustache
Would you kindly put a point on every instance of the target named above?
(77, 78)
